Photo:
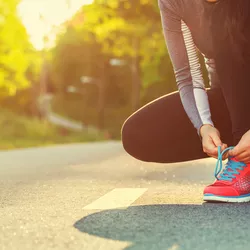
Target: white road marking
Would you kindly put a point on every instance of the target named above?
(117, 198)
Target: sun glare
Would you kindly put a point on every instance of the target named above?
(53, 13)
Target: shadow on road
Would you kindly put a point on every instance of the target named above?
(163, 227)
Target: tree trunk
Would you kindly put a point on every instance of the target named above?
(136, 76)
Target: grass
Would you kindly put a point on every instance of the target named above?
(75, 109)
(21, 132)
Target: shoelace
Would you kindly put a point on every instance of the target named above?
(231, 169)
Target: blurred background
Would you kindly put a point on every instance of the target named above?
(74, 70)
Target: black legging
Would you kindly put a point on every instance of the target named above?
(162, 132)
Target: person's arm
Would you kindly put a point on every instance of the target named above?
(186, 66)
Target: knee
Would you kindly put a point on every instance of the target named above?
(131, 140)
(127, 133)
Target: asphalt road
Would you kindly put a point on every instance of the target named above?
(95, 196)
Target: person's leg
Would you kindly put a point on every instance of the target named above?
(236, 90)
(162, 132)
(231, 37)
(232, 184)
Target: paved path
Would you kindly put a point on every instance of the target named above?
(94, 196)
(59, 120)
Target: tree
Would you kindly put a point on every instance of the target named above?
(16, 53)
(130, 29)
(114, 29)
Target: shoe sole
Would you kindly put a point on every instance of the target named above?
(211, 197)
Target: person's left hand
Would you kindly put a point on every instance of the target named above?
(242, 150)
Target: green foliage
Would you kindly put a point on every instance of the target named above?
(74, 107)
(111, 29)
(16, 53)
(20, 131)
(125, 29)
(128, 29)
(74, 57)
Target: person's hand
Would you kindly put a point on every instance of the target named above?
(242, 150)
(211, 140)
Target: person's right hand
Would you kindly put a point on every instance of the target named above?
(211, 140)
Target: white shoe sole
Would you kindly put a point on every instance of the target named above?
(243, 198)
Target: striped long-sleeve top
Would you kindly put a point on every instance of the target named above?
(186, 29)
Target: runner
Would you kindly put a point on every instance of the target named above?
(162, 132)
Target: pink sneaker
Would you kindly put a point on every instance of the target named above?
(233, 184)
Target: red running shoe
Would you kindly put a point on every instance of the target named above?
(233, 184)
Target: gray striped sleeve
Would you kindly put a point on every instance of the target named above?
(199, 91)
(186, 66)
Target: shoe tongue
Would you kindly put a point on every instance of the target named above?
(228, 170)
(228, 167)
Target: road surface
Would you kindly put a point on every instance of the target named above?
(96, 197)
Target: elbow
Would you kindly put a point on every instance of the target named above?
(183, 77)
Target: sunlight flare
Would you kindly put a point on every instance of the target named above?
(40, 17)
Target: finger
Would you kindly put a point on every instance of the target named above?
(225, 155)
(245, 160)
(211, 150)
(236, 151)
(216, 140)
(224, 146)
(212, 155)
(242, 156)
